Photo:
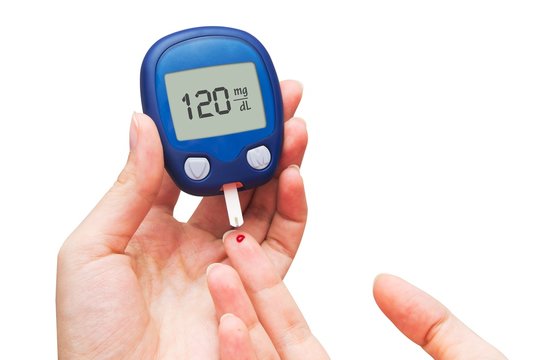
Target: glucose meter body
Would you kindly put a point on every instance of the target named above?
(214, 95)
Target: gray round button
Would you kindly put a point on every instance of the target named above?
(197, 168)
(259, 157)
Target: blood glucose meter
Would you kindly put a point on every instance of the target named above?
(214, 95)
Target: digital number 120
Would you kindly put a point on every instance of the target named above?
(220, 97)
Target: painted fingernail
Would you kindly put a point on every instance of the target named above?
(133, 131)
(240, 238)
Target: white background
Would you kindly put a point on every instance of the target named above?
(424, 123)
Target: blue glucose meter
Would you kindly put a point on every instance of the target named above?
(214, 95)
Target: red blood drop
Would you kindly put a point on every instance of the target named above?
(240, 238)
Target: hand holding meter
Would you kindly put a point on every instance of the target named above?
(214, 95)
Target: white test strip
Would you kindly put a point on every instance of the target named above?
(233, 204)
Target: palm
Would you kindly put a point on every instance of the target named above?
(166, 277)
(159, 289)
(161, 281)
(151, 300)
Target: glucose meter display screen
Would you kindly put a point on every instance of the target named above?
(215, 100)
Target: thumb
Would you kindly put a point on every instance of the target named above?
(111, 224)
(428, 323)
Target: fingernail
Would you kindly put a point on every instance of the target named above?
(301, 84)
(294, 166)
(210, 267)
(133, 132)
(302, 120)
(225, 235)
(226, 315)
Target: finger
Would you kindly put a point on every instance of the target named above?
(229, 296)
(234, 341)
(274, 305)
(295, 142)
(289, 221)
(262, 207)
(291, 92)
(211, 214)
(281, 227)
(167, 195)
(428, 323)
(111, 224)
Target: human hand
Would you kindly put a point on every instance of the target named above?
(131, 279)
(260, 320)
(258, 316)
(428, 323)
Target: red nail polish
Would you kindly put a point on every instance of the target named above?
(240, 238)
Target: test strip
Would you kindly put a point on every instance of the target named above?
(233, 204)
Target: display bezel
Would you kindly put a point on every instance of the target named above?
(231, 80)
(204, 52)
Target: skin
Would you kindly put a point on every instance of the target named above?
(252, 301)
(132, 279)
(258, 316)
(428, 323)
(134, 283)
